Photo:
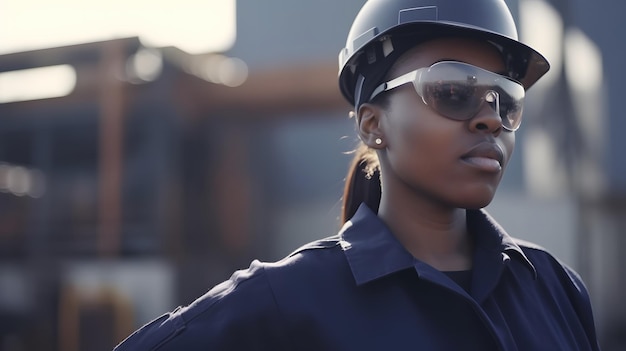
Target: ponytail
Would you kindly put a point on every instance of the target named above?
(362, 182)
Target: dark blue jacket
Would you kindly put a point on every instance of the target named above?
(361, 290)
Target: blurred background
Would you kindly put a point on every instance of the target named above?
(149, 149)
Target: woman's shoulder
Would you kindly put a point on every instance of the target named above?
(220, 318)
(295, 268)
(240, 310)
(312, 255)
(551, 267)
(248, 282)
(255, 288)
(318, 264)
(539, 255)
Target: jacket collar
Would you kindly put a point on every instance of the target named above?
(373, 252)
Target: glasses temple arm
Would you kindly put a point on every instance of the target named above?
(394, 83)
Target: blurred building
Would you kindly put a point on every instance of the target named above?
(161, 172)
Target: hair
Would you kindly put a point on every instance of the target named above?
(362, 185)
(362, 182)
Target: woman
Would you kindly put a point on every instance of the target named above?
(438, 90)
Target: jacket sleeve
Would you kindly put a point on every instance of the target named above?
(238, 314)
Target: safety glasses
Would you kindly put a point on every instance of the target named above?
(458, 90)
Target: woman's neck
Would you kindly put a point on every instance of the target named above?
(436, 235)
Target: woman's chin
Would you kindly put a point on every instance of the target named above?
(478, 201)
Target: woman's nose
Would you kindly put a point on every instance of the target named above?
(488, 117)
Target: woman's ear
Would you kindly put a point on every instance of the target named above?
(368, 119)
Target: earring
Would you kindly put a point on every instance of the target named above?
(378, 141)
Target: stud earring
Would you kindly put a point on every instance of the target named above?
(378, 141)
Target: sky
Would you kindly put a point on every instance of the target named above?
(195, 26)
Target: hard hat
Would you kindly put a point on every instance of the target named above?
(384, 29)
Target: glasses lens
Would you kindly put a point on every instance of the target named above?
(457, 90)
(452, 99)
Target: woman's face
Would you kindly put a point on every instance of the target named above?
(453, 163)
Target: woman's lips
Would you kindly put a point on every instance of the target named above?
(485, 163)
(486, 156)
